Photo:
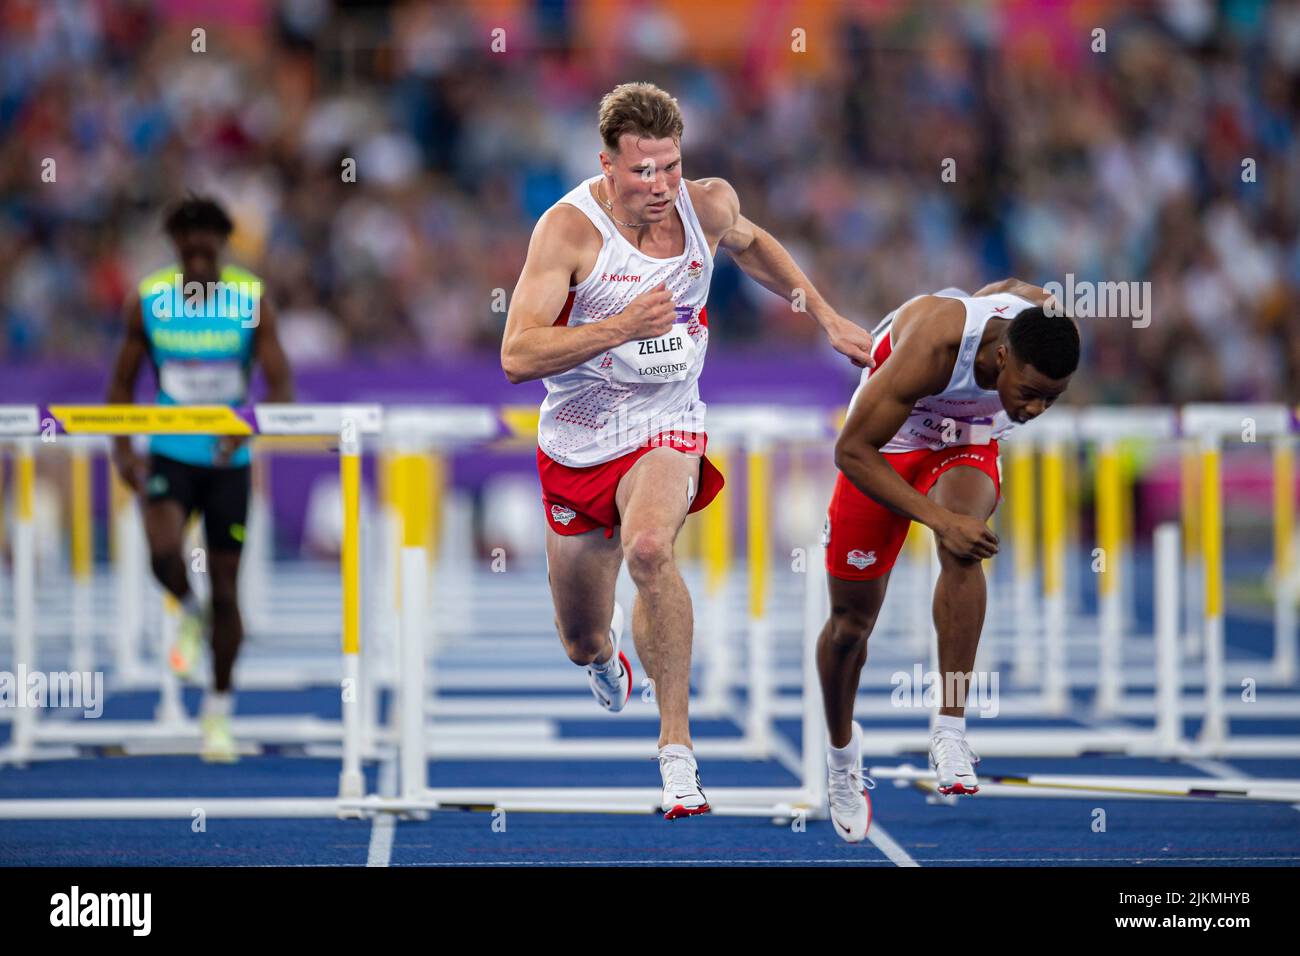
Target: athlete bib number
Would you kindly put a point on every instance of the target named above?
(666, 358)
(202, 383)
(944, 432)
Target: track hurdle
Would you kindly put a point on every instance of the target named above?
(287, 641)
(173, 733)
(1160, 745)
(1168, 731)
(462, 726)
(1198, 502)
(22, 422)
(1055, 434)
(82, 558)
(1042, 634)
(114, 610)
(1103, 653)
(129, 560)
(1106, 428)
(1213, 426)
(806, 799)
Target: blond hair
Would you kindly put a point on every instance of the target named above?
(642, 109)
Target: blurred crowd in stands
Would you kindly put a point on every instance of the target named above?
(1114, 142)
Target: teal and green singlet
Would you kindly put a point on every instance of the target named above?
(202, 352)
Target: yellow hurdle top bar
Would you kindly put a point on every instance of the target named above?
(267, 419)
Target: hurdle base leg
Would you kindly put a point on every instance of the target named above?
(352, 787)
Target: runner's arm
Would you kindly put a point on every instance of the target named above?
(270, 355)
(761, 257)
(915, 369)
(126, 368)
(533, 346)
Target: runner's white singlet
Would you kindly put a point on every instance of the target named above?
(970, 415)
(614, 402)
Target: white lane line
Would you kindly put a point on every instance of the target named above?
(889, 846)
(382, 831)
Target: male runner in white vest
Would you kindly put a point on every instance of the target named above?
(952, 374)
(610, 313)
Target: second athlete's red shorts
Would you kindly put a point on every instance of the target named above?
(863, 537)
(577, 500)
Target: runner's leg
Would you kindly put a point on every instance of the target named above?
(583, 569)
(960, 595)
(653, 498)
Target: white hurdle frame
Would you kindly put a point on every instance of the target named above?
(1106, 428)
(1168, 732)
(172, 731)
(1216, 422)
(1212, 426)
(462, 728)
(416, 797)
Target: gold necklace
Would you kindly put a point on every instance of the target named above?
(609, 208)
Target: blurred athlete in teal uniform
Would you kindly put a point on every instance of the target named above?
(202, 325)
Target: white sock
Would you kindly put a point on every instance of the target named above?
(841, 758)
(217, 704)
(676, 750)
(190, 605)
(944, 722)
(610, 666)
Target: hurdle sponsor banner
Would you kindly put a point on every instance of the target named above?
(267, 419)
(794, 422)
(19, 419)
(149, 420)
(1214, 420)
(1062, 425)
(293, 419)
(1148, 422)
(412, 427)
